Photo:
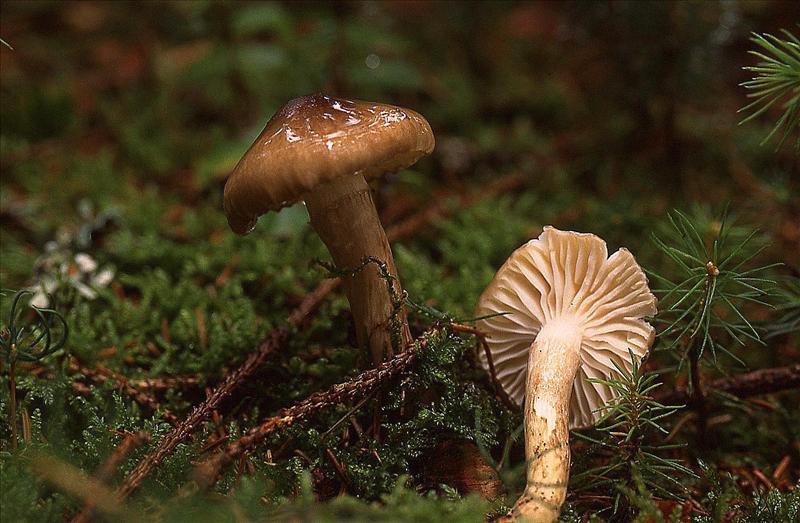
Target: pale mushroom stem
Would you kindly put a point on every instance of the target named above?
(343, 214)
(552, 365)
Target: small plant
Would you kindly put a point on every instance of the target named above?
(713, 260)
(714, 282)
(726, 501)
(777, 79)
(29, 336)
(629, 421)
(788, 308)
(68, 275)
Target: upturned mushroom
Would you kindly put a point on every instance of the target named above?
(322, 150)
(560, 311)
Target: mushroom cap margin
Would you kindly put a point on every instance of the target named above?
(315, 139)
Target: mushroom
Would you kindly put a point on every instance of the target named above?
(560, 311)
(321, 150)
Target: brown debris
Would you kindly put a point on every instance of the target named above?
(100, 375)
(68, 479)
(460, 464)
(163, 383)
(201, 412)
(106, 470)
(763, 381)
(364, 383)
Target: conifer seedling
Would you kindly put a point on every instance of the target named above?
(29, 336)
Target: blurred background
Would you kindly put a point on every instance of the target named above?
(631, 103)
(119, 122)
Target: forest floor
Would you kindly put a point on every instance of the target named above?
(119, 124)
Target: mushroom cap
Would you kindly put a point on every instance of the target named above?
(568, 276)
(316, 139)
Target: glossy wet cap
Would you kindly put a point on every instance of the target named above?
(568, 276)
(316, 139)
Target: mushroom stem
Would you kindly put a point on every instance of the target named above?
(552, 365)
(343, 214)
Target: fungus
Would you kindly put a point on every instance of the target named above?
(560, 311)
(321, 150)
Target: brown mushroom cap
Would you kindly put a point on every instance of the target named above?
(316, 139)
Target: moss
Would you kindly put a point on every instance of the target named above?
(115, 139)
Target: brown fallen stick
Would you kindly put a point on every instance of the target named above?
(279, 336)
(69, 479)
(102, 375)
(762, 381)
(201, 412)
(163, 383)
(106, 470)
(208, 471)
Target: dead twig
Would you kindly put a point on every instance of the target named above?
(201, 412)
(782, 467)
(763, 381)
(101, 375)
(106, 470)
(499, 391)
(340, 470)
(67, 478)
(208, 471)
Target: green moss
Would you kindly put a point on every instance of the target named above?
(115, 140)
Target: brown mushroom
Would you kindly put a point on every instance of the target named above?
(321, 150)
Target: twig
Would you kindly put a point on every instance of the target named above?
(201, 412)
(782, 467)
(106, 470)
(500, 392)
(763, 381)
(163, 383)
(101, 375)
(364, 383)
(763, 479)
(279, 336)
(12, 383)
(72, 481)
(678, 426)
(340, 470)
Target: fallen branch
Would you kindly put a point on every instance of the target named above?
(202, 411)
(101, 375)
(106, 470)
(763, 381)
(163, 383)
(279, 336)
(69, 479)
(208, 471)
